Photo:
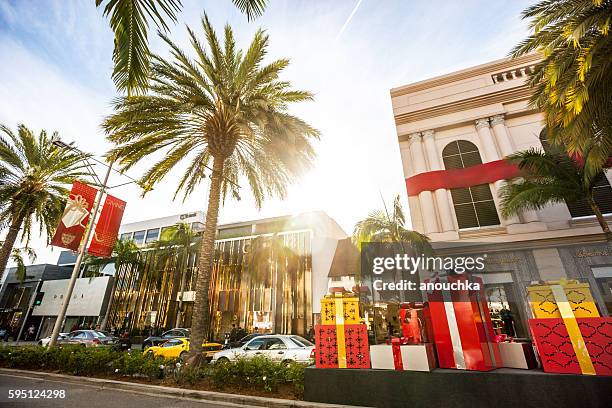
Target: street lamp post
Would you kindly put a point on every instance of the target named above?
(77, 266)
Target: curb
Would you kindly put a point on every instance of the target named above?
(203, 396)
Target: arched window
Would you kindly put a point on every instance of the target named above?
(602, 192)
(474, 206)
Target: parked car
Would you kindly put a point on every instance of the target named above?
(242, 341)
(89, 338)
(283, 348)
(179, 347)
(44, 341)
(170, 334)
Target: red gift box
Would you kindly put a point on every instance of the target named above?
(462, 328)
(356, 346)
(557, 352)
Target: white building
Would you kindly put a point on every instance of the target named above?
(465, 122)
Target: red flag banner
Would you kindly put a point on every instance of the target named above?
(107, 228)
(76, 214)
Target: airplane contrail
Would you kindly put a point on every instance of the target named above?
(348, 20)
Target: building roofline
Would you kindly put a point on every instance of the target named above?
(489, 67)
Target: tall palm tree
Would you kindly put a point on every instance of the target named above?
(33, 178)
(129, 20)
(551, 177)
(125, 254)
(385, 226)
(573, 83)
(227, 113)
(177, 244)
(17, 258)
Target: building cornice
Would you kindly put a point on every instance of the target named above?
(456, 248)
(489, 68)
(522, 92)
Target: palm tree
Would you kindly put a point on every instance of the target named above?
(125, 254)
(17, 258)
(551, 177)
(573, 83)
(33, 178)
(382, 226)
(129, 20)
(177, 244)
(224, 107)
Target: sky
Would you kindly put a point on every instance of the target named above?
(55, 74)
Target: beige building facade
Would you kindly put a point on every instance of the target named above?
(477, 116)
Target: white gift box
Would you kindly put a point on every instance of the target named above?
(517, 355)
(415, 357)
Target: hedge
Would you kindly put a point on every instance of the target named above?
(259, 373)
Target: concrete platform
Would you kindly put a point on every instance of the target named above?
(501, 388)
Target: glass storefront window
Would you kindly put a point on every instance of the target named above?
(152, 235)
(139, 237)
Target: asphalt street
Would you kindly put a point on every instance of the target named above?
(90, 396)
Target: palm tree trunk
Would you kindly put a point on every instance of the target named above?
(600, 218)
(9, 243)
(182, 287)
(110, 300)
(201, 311)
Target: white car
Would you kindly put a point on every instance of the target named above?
(46, 340)
(285, 348)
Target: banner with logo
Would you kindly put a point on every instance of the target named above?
(76, 214)
(107, 228)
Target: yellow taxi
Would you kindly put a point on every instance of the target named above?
(179, 347)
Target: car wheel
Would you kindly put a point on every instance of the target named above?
(183, 356)
(146, 345)
(40, 342)
(287, 363)
(223, 360)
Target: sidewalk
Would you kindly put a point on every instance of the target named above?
(157, 390)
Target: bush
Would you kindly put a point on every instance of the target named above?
(259, 373)
(137, 364)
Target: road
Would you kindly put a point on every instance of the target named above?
(90, 396)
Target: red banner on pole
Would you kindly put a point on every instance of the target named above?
(107, 227)
(76, 214)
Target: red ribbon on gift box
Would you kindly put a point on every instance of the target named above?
(397, 353)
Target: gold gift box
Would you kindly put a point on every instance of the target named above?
(350, 305)
(578, 295)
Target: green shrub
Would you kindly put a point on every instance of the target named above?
(259, 372)
(184, 374)
(137, 364)
(295, 376)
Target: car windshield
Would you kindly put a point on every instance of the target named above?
(300, 341)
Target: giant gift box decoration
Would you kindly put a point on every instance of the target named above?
(578, 295)
(341, 340)
(568, 342)
(461, 324)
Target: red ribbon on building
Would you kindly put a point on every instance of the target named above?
(107, 227)
(460, 178)
(70, 230)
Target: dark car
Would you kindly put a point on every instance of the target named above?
(242, 341)
(170, 334)
(89, 338)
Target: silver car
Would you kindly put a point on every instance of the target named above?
(89, 338)
(285, 348)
